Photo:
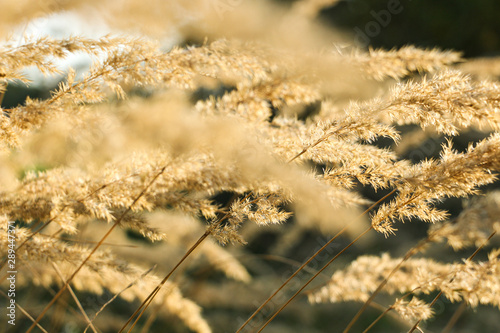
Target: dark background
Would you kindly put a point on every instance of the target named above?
(472, 27)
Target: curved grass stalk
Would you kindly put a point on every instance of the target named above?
(313, 277)
(407, 256)
(309, 260)
(117, 222)
(145, 304)
(441, 292)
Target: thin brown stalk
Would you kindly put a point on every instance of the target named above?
(407, 256)
(75, 298)
(62, 302)
(308, 261)
(323, 138)
(118, 294)
(375, 305)
(431, 305)
(290, 278)
(441, 292)
(117, 222)
(386, 310)
(152, 317)
(314, 276)
(144, 305)
(378, 319)
(153, 294)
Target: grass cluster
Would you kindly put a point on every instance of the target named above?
(260, 122)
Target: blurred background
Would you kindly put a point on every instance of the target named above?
(472, 27)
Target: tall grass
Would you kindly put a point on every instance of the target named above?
(133, 183)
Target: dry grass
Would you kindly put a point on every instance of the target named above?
(291, 136)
